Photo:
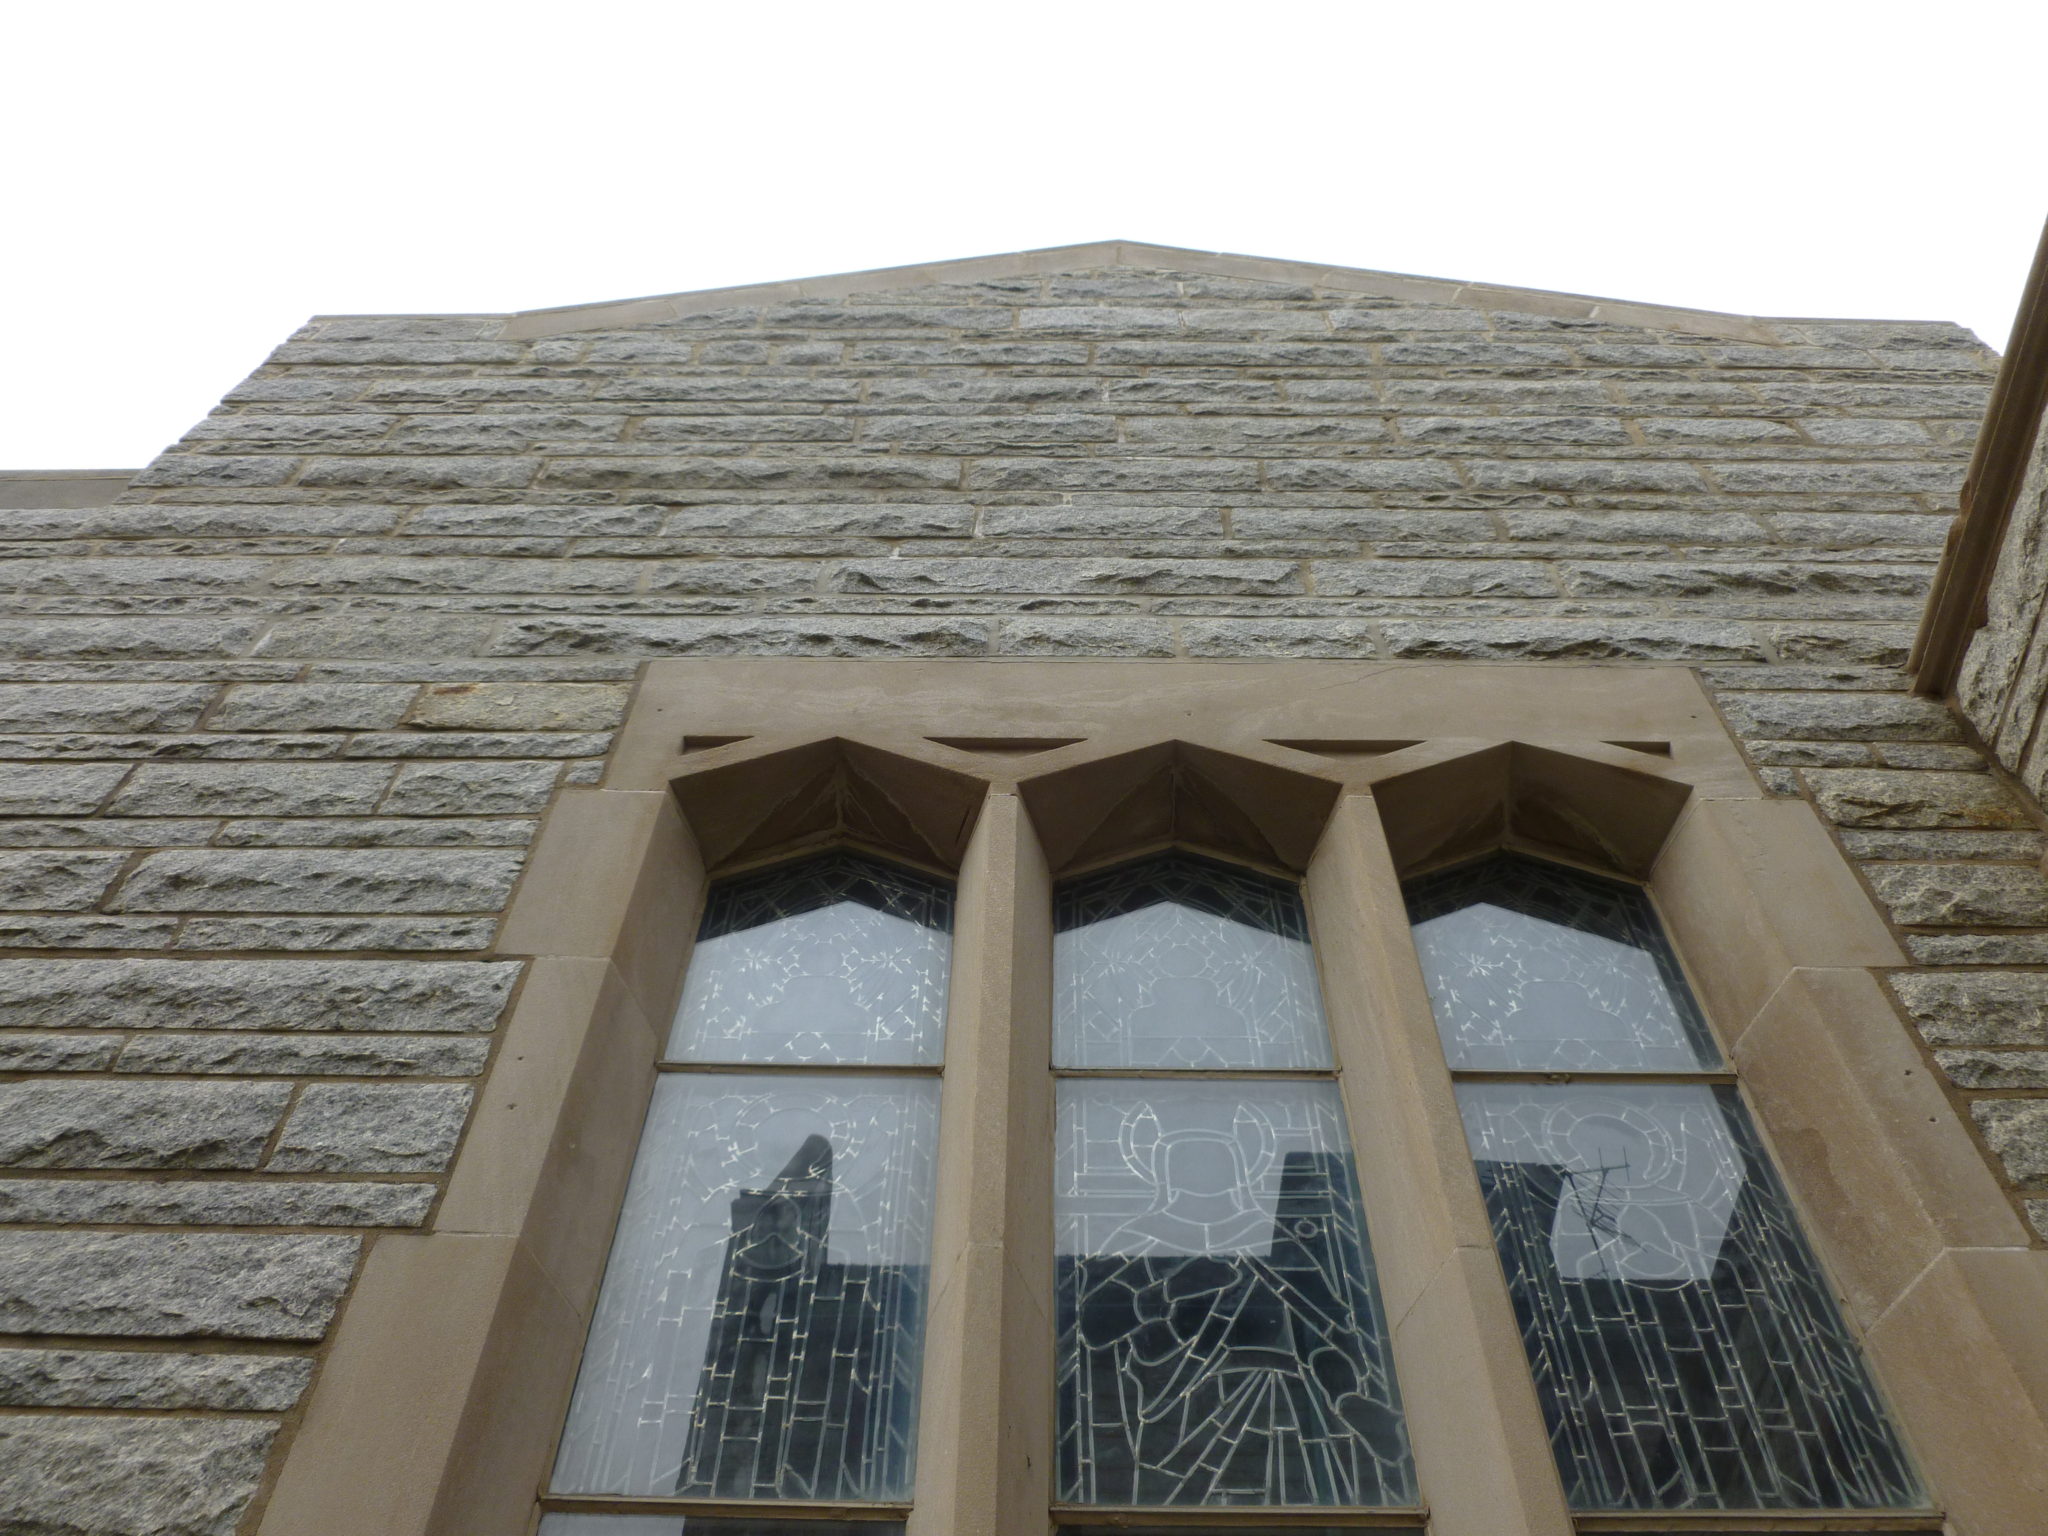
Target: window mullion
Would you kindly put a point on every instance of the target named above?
(1481, 1452)
(985, 1438)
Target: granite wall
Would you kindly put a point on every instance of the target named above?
(283, 718)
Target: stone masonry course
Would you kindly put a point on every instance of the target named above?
(281, 721)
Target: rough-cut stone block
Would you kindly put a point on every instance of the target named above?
(1943, 847)
(320, 880)
(418, 472)
(73, 1475)
(1572, 640)
(1840, 717)
(521, 706)
(41, 1051)
(214, 1203)
(822, 636)
(55, 882)
(129, 1378)
(1976, 1007)
(1962, 895)
(442, 934)
(1995, 1069)
(70, 789)
(55, 1124)
(373, 1128)
(1903, 798)
(313, 707)
(103, 706)
(471, 788)
(1434, 578)
(172, 1285)
(2017, 1131)
(125, 640)
(1085, 637)
(413, 996)
(410, 635)
(252, 789)
(1254, 638)
(306, 1055)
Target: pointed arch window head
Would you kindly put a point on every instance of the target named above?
(1181, 961)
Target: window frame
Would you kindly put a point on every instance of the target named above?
(439, 1401)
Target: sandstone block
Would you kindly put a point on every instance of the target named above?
(521, 706)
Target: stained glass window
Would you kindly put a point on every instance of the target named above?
(1535, 967)
(1687, 1351)
(836, 959)
(1179, 961)
(758, 1330)
(1220, 1334)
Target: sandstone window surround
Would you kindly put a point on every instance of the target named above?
(439, 1406)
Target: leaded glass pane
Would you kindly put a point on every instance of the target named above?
(758, 1331)
(836, 959)
(1686, 1348)
(1178, 961)
(1220, 1333)
(1533, 967)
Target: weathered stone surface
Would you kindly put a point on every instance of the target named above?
(137, 1125)
(39, 1051)
(70, 1475)
(320, 880)
(2017, 1131)
(1588, 640)
(127, 1378)
(471, 788)
(417, 996)
(1976, 1007)
(1896, 798)
(371, 933)
(172, 1285)
(58, 789)
(252, 789)
(1962, 895)
(213, 1203)
(1840, 717)
(313, 707)
(521, 706)
(55, 882)
(302, 1055)
(350, 1128)
(102, 706)
(1939, 847)
(1995, 1069)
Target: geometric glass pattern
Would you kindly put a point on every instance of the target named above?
(1687, 1351)
(1533, 967)
(1180, 961)
(1221, 1338)
(834, 959)
(757, 1335)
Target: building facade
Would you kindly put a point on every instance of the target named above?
(407, 696)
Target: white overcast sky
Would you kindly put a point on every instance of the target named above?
(185, 183)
